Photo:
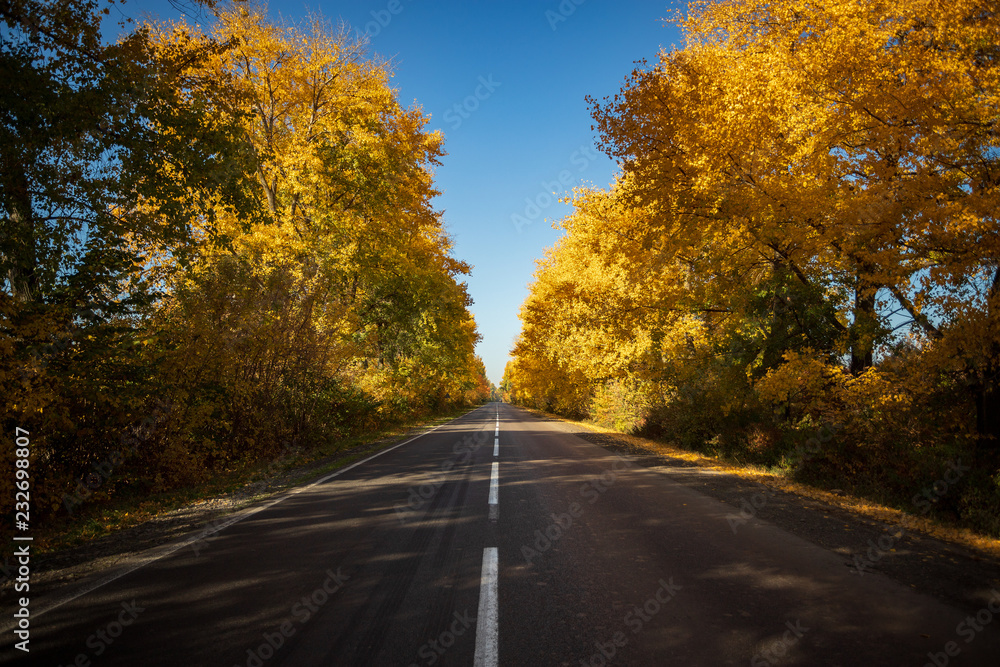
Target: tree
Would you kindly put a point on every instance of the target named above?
(872, 176)
(234, 224)
(344, 280)
(109, 153)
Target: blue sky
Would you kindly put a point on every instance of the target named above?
(505, 82)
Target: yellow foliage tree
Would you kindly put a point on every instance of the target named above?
(871, 178)
(342, 287)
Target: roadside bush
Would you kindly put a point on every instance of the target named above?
(619, 406)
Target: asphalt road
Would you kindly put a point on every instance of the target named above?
(501, 539)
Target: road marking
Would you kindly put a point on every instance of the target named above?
(496, 447)
(151, 556)
(487, 626)
(494, 478)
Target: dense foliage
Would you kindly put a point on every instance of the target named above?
(803, 235)
(216, 244)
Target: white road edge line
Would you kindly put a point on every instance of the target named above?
(172, 547)
(487, 626)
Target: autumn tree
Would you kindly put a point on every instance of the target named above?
(343, 288)
(230, 229)
(794, 241)
(91, 129)
(870, 177)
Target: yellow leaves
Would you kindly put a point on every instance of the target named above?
(808, 384)
(345, 277)
(805, 381)
(754, 138)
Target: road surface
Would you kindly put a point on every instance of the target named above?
(500, 538)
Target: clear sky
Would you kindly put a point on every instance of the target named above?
(505, 81)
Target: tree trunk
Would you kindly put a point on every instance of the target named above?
(988, 413)
(864, 327)
(19, 246)
(987, 393)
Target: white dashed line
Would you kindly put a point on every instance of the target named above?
(494, 478)
(487, 626)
